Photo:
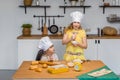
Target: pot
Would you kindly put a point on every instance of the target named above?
(73, 2)
(28, 2)
(26, 32)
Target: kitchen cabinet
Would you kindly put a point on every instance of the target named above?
(109, 53)
(28, 49)
(92, 49)
(106, 50)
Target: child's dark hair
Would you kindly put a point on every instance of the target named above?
(39, 55)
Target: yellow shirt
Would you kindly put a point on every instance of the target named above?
(75, 49)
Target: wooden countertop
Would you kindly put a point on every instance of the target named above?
(39, 36)
(24, 73)
(93, 36)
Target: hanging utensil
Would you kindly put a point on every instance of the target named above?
(53, 28)
(38, 23)
(42, 24)
(48, 23)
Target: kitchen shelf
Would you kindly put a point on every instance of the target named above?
(84, 7)
(108, 7)
(34, 6)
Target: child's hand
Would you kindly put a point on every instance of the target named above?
(73, 37)
(75, 43)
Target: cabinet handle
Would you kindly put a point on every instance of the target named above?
(98, 41)
(95, 41)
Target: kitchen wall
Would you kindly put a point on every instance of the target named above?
(12, 17)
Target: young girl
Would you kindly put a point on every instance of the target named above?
(47, 50)
(75, 38)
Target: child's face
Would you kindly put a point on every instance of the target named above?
(76, 25)
(51, 50)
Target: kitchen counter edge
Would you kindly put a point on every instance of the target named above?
(61, 36)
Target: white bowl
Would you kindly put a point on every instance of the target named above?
(74, 42)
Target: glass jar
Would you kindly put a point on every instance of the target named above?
(113, 2)
(117, 2)
(82, 2)
(37, 2)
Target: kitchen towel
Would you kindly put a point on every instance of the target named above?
(109, 76)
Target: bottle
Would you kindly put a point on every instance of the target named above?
(102, 32)
(117, 2)
(60, 30)
(113, 2)
(99, 31)
(82, 2)
(64, 30)
(65, 3)
(37, 2)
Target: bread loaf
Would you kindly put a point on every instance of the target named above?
(109, 31)
(33, 67)
(35, 62)
(38, 69)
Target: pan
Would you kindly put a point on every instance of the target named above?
(53, 28)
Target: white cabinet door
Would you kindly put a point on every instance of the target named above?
(59, 48)
(27, 50)
(109, 53)
(91, 51)
(106, 50)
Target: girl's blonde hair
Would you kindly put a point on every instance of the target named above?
(70, 27)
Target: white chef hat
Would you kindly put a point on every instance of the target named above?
(45, 43)
(76, 16)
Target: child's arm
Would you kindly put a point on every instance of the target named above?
(65, 39)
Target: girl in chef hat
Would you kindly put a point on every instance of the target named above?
(75, 38)
(47, 50)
